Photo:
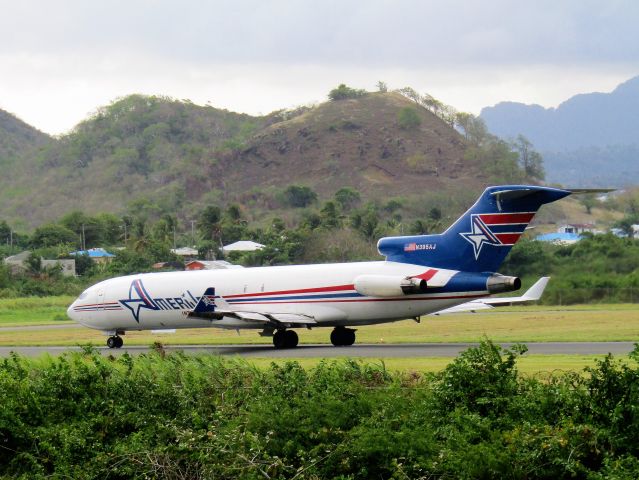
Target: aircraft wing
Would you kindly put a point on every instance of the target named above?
(213, 307)
(532, 294)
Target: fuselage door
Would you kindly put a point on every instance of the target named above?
(100, 299)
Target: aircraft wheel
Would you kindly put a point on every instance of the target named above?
(341, 337)
(279, 339)
(285, 339)
(115, 342)
(291, 339)
(349, 337)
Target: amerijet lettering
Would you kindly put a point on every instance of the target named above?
(421, 274)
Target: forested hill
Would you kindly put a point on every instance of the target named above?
(152, 154)
(588, 140)
(17, 139)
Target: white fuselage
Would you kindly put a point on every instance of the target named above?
(324, 292)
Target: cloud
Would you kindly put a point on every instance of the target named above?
(61, 60)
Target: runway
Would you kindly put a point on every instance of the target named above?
(411, 350)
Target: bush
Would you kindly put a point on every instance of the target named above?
(299, 196)
(82, 415)
(343, 92)
(408, 118)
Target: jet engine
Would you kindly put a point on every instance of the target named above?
(501, 283)
(389, 285)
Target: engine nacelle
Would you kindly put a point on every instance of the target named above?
(389, 285)
(501, 283)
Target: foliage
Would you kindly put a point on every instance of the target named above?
(347, 197)
(343, 92)
(530, 160)
(606, 265)
(299, 196)
(408, 118)
(52, 234)
(83, 415)
(445, 112)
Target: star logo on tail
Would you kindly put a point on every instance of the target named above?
(479, 235)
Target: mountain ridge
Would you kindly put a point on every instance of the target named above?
(150, 155)
(589, 132)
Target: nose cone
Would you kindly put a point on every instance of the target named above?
(71, 313)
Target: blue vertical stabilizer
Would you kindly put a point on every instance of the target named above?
(482, 237)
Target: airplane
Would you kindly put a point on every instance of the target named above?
(421, 274)
(533, 294)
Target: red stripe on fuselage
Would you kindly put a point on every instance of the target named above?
(506, 218)
(427, 275)
(403, 299)
(335, 288)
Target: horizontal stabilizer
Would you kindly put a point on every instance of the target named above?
(579, 191)
(533, 294)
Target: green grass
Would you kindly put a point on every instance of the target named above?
(34, 310)
(523, 324)
(538, 365)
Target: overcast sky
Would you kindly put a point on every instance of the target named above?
(60, 60)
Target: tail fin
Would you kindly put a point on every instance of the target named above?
(207, 302)
(482, 237)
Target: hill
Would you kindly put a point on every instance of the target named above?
(588, 140)
(17, 140)
(149, 155)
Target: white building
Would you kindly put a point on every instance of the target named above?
(242, 246)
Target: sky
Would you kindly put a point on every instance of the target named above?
(60, 61)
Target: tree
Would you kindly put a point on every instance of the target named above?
(5, 232)
(588, 202)
(299, 196)
(51, 235)
(474, 128)
(408, 118)
(530, 160)
(382, 87)
(330, 216)
(343, 92)
(347, 197)
(208, 222)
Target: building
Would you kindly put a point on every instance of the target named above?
(577, 228)
(98, 255)
(186, 253)
(209, 265)
(17, 264)
(559, 238)
(67, 266)
(242, 246)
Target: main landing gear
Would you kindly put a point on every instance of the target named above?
(342, 337)
(285, 339)
(115, 341)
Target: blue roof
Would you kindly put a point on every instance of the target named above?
(94, 253)
(558, 237)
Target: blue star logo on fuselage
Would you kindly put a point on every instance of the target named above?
(138, 299)
(479, 235)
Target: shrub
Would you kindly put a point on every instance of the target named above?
(408, 118)
(343, 92)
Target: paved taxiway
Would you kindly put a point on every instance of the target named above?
(411, 350)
